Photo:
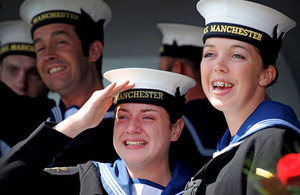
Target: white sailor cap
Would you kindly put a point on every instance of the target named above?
(158, 87)
(40, 12)
(259, 25)
(182, 34)
(15, 39)
(181, 41)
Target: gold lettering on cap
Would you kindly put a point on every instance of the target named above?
(4, 49)
(139, 95)
(54, 15)
(222, 28)
(17, 47)
(205, 30)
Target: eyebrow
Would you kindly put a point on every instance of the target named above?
(232, 46)
(149, 110)
(53, 34)
(208, 45)
(240, 46)
(143, 110)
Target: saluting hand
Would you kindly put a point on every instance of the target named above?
(93, 111)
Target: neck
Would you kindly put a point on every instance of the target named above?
(159, 173)
(81, 89)
(80, 95)
(236, 119)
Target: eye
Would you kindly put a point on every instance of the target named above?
(61, 42)
(33, 75)
(207, 55)
(39, 49)
(12, 70)
(148, 118)
(121, 117)
(238, 56)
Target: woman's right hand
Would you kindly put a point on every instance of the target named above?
(93, 111)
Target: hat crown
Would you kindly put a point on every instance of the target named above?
(182, 34)
(14, 31)
(15, 39)
(145, 78)
(96, 9)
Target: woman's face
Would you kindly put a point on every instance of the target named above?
(142, 134)
(232, 74)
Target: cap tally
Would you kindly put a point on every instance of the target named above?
(157, 87)
(15, 39)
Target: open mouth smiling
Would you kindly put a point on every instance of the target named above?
(56, 69)
(220, 85)
(135, 143)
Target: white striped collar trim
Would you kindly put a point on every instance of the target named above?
(109, 179)
(257, 127)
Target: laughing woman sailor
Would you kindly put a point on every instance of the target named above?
(147, 120)
(242, 40)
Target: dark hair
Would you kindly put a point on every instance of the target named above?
(190, 52)
(89, 31)
(270, 51)
(85, 27)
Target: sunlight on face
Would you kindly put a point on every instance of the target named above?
(60, 58)
(231, 71)
(142, 133)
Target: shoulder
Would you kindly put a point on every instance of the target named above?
(272, 139)
(71, 170)
(61, 170)
(274, 133)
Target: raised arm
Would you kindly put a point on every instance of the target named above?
(24, 164)
(93, 111)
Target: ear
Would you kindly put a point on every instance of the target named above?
(177, 67)
(177, 129)
(95, 51)
(267, 76)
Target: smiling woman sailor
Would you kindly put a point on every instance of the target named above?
(147, 120)
(242, 41)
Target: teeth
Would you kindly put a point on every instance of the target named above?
(56, 69)
(228, 85)
(222, 84)
(135, 143)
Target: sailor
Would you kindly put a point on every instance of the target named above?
(148, 118)
(181, 52)
(68, 37)
(242, 40)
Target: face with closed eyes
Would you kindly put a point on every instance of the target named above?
(142, 134)
(233, 76)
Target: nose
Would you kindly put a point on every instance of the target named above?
(21, 83)
(134, 126)
(221, 64)
(50, 53)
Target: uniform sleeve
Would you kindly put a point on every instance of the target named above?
(22, 168)
(29, 113)
(268, 147)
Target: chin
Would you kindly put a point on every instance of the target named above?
(217, 104)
